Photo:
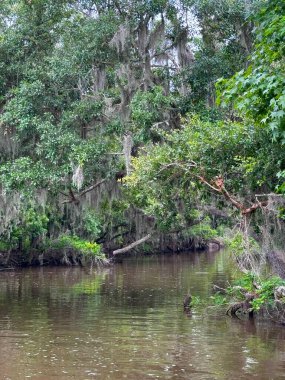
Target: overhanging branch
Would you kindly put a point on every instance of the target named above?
(75, 199)
(131, 246)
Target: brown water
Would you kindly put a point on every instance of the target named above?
(126, 322)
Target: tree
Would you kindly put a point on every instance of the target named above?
(76, 80)
(224, 159)
(258, 91)
(87, 85)
(226, 41)
(239, 160)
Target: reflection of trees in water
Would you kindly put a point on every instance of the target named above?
(134, 310)
(140, 282)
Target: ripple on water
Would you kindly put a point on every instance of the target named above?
(128, 322)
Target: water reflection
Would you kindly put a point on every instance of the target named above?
(127, 321)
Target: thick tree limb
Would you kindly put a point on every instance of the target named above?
(72, 197)
(236, 203)
(254, 207)
(244, 210)
(216, 185)
(131, 246)
(220, 188)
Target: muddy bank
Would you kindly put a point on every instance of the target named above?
(16, 259)
(70, 257)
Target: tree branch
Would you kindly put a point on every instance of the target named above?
(131, 246)
(92, 187)
(203, 180)
(254, 207)
(183, 166)
(220, 188)
(227, 195)
(75, 199)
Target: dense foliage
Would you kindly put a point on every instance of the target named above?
(231, 159)
(91, 91)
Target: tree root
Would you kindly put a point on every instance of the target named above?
(243, 306)
(234, 308)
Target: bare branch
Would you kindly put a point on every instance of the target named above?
(220, 188)
(92, 187)
(75, 199)
(114, 154)
(254, 207)
(203, 180)
(183, 166)
(236, 203)
(131, 246)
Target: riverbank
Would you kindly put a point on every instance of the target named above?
(73, 251)
(51, 257)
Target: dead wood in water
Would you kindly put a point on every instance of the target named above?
(131, 246)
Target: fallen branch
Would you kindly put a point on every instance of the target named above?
(131, 246)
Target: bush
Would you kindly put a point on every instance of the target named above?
(88, 249)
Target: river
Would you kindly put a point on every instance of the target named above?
(127, 322)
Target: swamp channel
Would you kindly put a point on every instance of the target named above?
(127, 322)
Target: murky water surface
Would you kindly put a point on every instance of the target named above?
(126, 322)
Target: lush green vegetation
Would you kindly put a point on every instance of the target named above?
(231, 158)
(120, 120)
(250, 295)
